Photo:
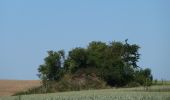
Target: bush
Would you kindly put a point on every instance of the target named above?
(68, 83)
(133, 84)
(81, 82)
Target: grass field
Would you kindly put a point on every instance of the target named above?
(9, 87)
(156, 93)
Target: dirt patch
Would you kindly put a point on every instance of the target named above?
(10, 87)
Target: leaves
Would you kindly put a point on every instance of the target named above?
(115, 63)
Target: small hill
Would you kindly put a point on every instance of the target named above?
(10, 87)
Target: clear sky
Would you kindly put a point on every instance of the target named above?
(29, 28)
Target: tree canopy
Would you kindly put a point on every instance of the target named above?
(115, 63)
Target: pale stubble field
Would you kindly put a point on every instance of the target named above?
(10, 87)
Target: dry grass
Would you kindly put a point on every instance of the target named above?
(9, 87)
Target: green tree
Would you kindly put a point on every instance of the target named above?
(77, 59)
(52, 68)
(115, 63)
(120, 61)
(143, 76)
(96, 53)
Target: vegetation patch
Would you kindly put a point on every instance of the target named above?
(99, 65)
(104, 94)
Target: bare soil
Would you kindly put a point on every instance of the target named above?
(10, 87)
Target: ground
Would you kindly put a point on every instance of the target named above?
(103, 94)
(156, 92)
(10, 87)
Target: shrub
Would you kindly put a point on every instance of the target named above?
(133, 84)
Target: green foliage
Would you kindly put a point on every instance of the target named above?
(133, 84)
(77, 59)
(95, 53)
(114, 63)
(144, 77)
(51, 69)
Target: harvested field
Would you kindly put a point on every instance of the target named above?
(9, 87)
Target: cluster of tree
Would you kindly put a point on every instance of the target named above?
(115, 63)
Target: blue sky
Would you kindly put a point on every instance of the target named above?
(29, 28)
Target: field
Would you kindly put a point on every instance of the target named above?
(154, 93)
(9, 87)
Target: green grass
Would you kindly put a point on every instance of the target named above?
(104, 94)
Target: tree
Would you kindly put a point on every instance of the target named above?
(51, 69)
(77, 59)
(96, 53)
(120, 61)
(143, 76)
(115, 63)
